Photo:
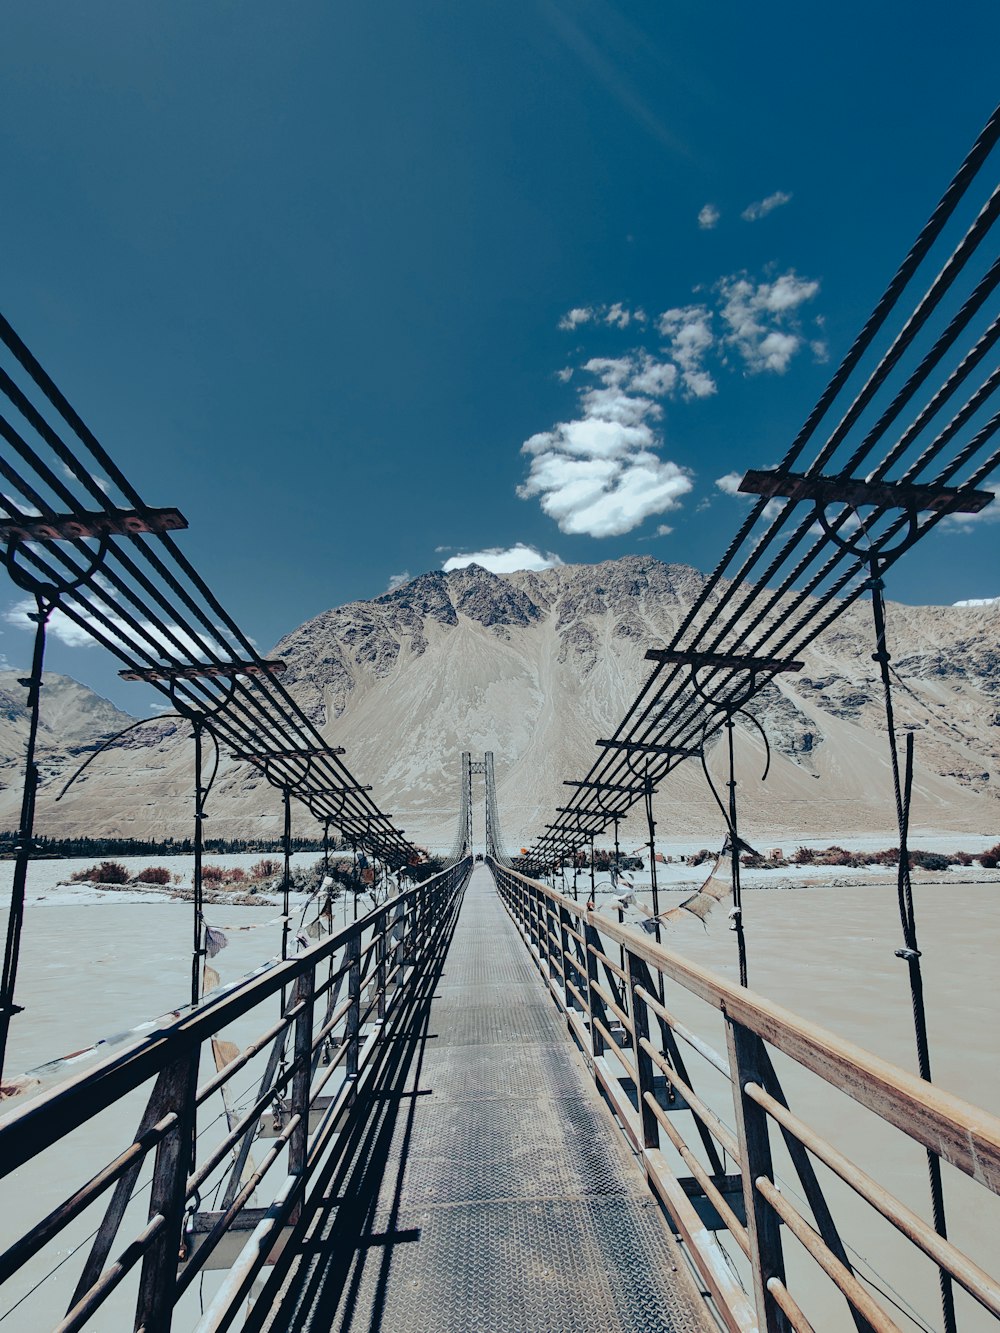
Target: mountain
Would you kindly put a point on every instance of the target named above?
(536, 665)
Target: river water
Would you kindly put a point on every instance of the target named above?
(96, 964)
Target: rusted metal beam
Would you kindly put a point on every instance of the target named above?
(646, 747)
(77, 527)
(855, 491)
(734, 661)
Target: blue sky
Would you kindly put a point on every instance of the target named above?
(365, 288)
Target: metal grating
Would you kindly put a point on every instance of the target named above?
(489, 1191)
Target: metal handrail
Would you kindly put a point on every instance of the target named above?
(965, 1135)
(400, 935)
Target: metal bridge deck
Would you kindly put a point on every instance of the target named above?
(490, 1190)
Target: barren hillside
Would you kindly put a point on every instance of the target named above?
(536, 666)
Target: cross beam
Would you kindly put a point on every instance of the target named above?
(637, 747)
(684, 657)
(855, 491)
(205, 669)
(606, 786)
(74, 527)
(301, 752)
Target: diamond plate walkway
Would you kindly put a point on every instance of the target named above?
(489, 1190)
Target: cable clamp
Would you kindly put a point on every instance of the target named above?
(908, 955)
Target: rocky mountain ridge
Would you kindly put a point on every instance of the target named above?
(536, 665)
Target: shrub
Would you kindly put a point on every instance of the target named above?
(153, 875)
(265, 869)
(929, 860)
(108, 872)
(804, 856)
(988, 862)
(888, 857)
(213, 874)
(699, 857)
(962, 859)
(237, 875)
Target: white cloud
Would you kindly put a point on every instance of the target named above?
(688, 333)
(565, 375)
(761, 318)
(504, 561)
(730, 483)
(708, 217)
(978, 601)
(397, 580)
(664, 530)
(761, 207)
(604, 497)
(600, 473)
(617, 315)
(169, 641)
(578, 315)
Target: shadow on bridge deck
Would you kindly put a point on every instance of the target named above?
(486, 1188)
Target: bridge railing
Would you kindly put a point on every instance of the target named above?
(335, 1007)
(618, 990)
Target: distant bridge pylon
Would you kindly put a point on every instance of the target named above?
(465, 834)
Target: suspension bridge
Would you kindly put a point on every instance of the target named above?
(487, 1103)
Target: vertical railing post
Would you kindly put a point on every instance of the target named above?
(644, 1071)
(380, 968)
(298, 1143)
(594, 1006)
(175, 1092)
(353, 1033)
(746, 1065)
(564, 952)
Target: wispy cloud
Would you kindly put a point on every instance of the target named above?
(978, 601)
(730, 483)
(761, 318)
(708, 217)
(168, 641)
(618, 315)
(504, 560)
(397, 580)
(761, 207)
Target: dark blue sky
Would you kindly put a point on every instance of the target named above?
(302, 267)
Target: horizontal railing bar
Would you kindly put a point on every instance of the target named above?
(789, 1305)
(704, 1179)
(577, 966)
(212, 1238)
(28, 1130)
(94, 1298)
(614, 1006)
(18, 1254)
(222, 1076)
(841, 1276)
(239, 1129)
(677, 1027)
(707, 1117)
(968, 1274)
(612, 966)
(619, 1053)
(963, 1134)
(323, 986)
(339, 1055)
(336, 1017)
